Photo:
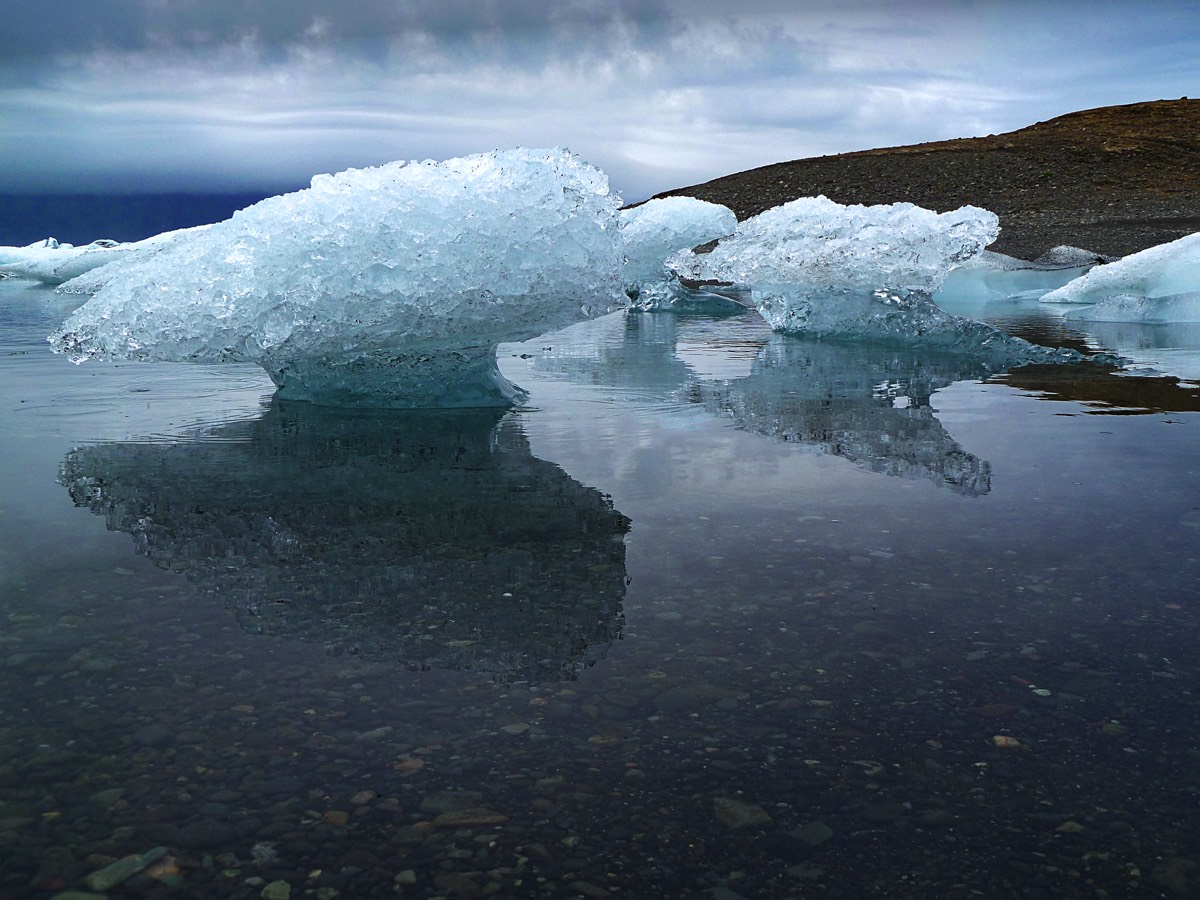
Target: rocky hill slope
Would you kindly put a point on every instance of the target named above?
(1113, 180)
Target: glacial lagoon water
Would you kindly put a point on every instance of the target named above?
(714, 613)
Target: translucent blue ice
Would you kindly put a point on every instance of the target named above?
(388, 286)
(1160, 284)
(658, 228)
(994, 276)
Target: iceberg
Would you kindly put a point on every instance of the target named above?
(819, 269)
(430, 539)
(867, 404)
(10, 255)
(1159, 272)
(66, 265)
(814, 244)
(388, 286)
(658, 228)
(994, 276)
(51, 262)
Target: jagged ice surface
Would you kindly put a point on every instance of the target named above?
(1160, 283)
(657, 228)
(817, 243)
(820, 268)
(385, 286)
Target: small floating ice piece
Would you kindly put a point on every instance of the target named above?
(1162, 271)
(994, 276)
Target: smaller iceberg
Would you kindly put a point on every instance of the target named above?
(385, 287)
(822, 270)
(658, 228)
(17, 255)
(1159, 284)
(994, 276)
(53, 263)
(816, 250)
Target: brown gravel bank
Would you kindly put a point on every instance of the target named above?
(1114, 180)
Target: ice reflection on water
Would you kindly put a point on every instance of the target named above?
(815, 658)
(428, 539)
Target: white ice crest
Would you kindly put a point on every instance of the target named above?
(1159, 284)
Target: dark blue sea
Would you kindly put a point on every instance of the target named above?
(82, 218)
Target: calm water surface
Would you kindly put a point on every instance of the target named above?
(716, 613)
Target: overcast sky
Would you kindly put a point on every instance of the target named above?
(262, 94)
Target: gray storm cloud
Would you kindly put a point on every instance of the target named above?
(134, 94)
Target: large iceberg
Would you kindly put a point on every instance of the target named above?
(388, 286)
(1159, 284)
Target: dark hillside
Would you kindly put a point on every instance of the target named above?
(1114, 180)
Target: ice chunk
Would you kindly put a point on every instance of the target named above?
(41, 261)
(818, 245)
(820, 269)
(994, 276)
(50, 262)
(1165, 270)
(816, 267)
(428, 539)
(388, 286)
(657, 228)
(17, 255)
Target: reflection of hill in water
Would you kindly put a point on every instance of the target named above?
(864, 402)
(1105, 390)
(437, 540)
(868, 404)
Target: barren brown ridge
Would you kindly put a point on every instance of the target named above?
(1113, 180)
